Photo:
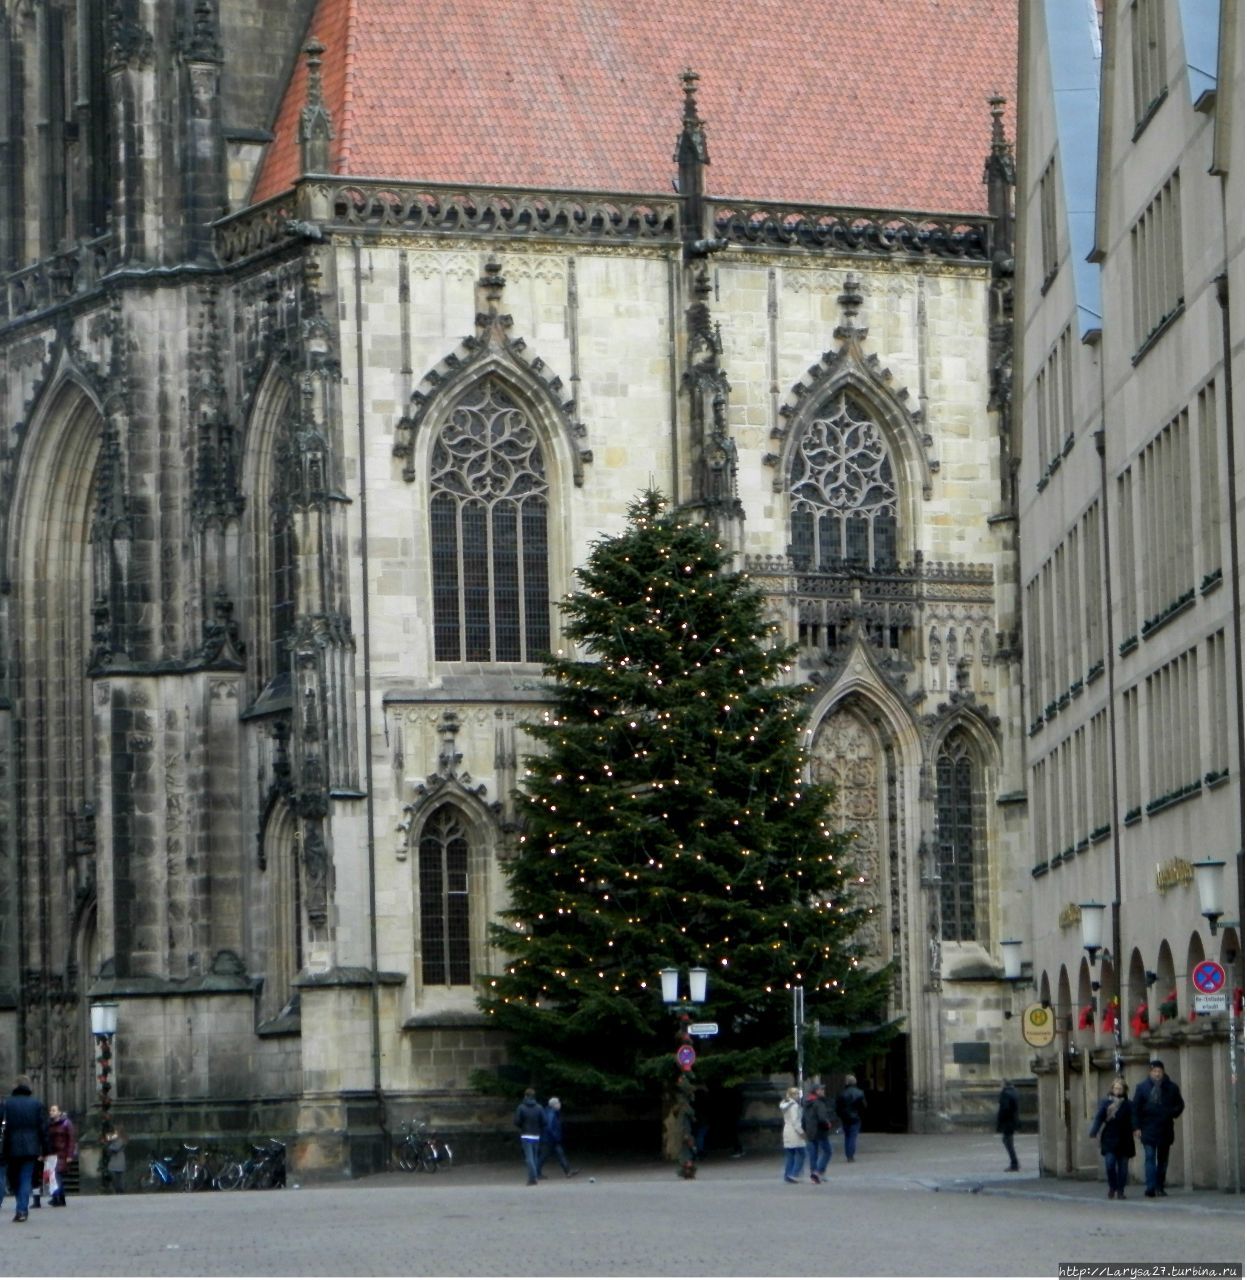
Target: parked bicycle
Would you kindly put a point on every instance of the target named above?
(420, 1148)
(264, 1168)
(167, 1173)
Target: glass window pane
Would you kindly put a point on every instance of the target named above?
(444, 535)
(487, 465)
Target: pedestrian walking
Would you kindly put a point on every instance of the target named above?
(1157, 1104)
(25, 1140)
(1007, 1115)
(1114, 1122)
(816, 1124)
(115, 1153)
(850, 1107)
(64, 1148)
(552, 1140)
(530, 1120)
(793, 1136)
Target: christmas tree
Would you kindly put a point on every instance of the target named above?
(668, 822)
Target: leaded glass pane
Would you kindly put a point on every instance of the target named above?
(803, 538)
(506, 584)
(444, 534)
(445, 928)
(841, 475)
(475, 581)
(955, 841)
(490, 578)
(536, 578)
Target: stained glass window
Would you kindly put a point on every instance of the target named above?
(488, 533)
(955, 839)
(843, 492)
(445, 935)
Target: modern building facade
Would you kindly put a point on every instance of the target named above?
(331, 339)
(1130, 481)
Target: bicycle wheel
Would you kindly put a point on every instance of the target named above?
(428, 1161)
(404, 1157)
(230, 1177)
(149, 1181)
(446, 1157)
(190, 1177)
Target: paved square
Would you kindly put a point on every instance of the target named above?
(907, 1207)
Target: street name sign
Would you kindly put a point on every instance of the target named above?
(704, 1029)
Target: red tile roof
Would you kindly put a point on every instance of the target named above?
(873, 103)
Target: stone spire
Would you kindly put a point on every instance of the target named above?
(315, 122)
(1000, 176)
(691, 157)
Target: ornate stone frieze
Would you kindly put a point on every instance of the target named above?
(850, 231)
(500, 211)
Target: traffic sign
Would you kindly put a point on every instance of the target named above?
(704, 1029)
(1214, 1003)
(686, 1055)
(1208, 977)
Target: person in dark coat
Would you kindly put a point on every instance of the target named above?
(530, 1120)
(850, 1107)
(1007, 1115)
(816, 1123)
(115, 1150)
(552, 1140)
(25, 1140)
(1114, 1122)
(1157, 1104)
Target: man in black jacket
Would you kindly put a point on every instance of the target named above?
(1157, 1104)
(25, 1140)
(816, 1123)
(530, 1120)
(1008, 1112)
(850, 1106)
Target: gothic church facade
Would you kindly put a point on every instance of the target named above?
(314, 395)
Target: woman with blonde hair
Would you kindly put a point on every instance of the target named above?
(794, 1138)
(1113, 1122)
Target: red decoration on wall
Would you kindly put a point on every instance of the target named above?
(1086, 1017)
(1138, 1020)
(1109, 1021)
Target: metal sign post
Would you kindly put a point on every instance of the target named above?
(798, 1027)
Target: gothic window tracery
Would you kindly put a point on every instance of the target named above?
(488, 532)
(445, 922)
(844, 499)
(957, 838)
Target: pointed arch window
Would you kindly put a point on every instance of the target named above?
(488, 532)
(843, 491)
(957, 839)
(445, 920)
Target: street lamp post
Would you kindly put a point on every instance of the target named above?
(685, 1056)
(1092, 922)
(103, 1028)
(1209, 877)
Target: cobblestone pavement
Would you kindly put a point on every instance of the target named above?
(909, 1206)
